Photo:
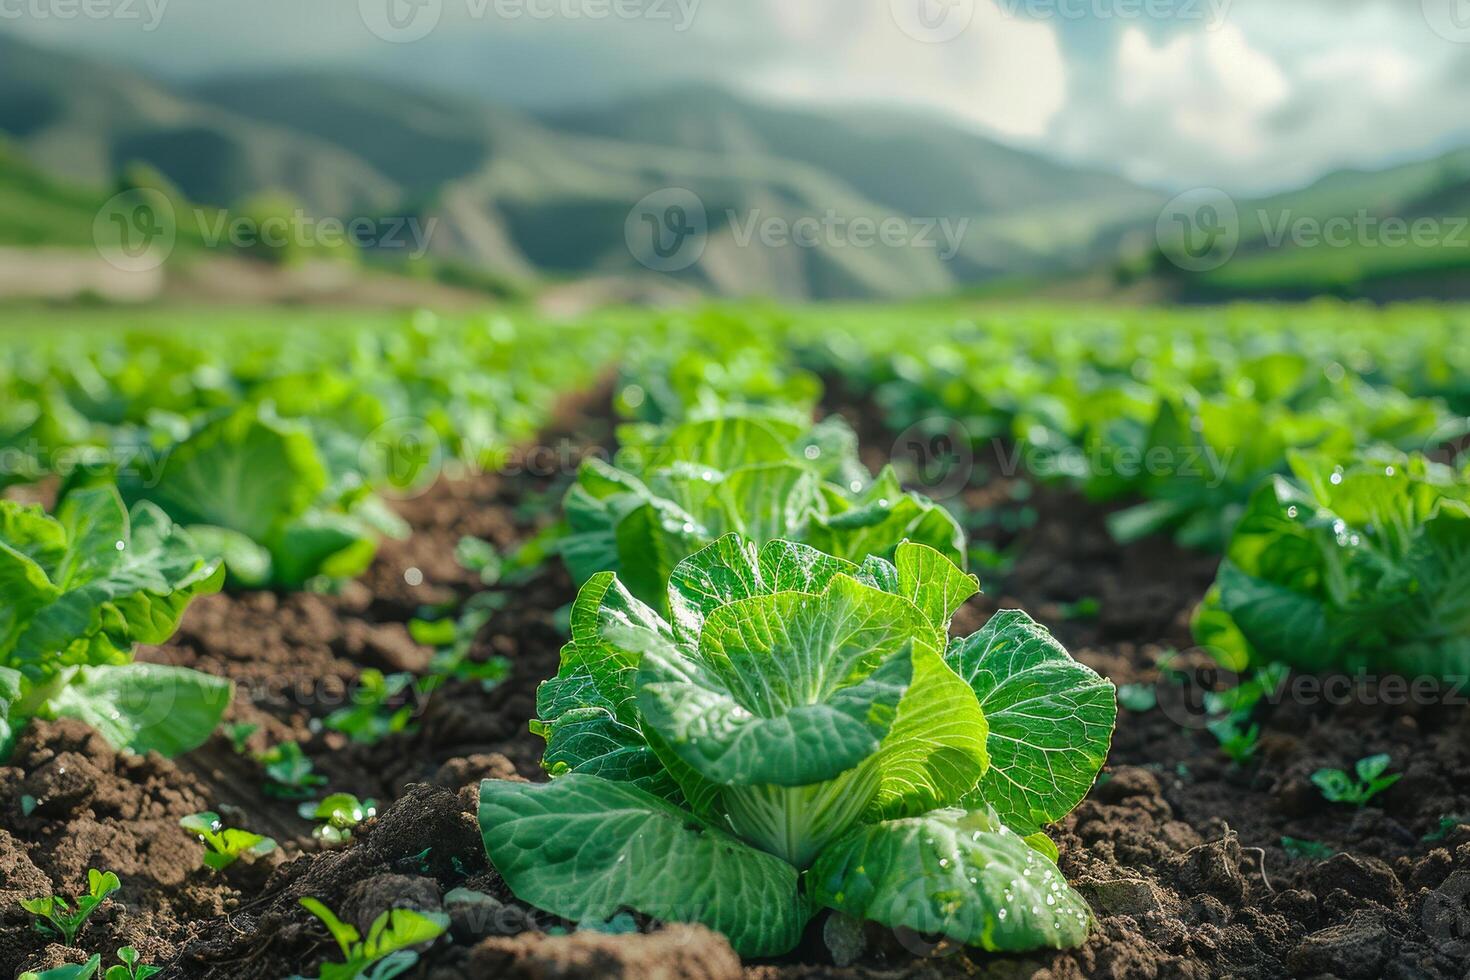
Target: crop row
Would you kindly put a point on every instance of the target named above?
(760, 685)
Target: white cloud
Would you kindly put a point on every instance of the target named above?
(1002, 73)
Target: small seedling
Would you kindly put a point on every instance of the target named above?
(1340, 787)
(130, 968)
(1306, 849)
(370, 718)
(239, 734)
(289, 773)
(385, 952)
(340, 815)
(58, 917)
(225, 845)
(1238, 742)
(481, 557)
(1085, 608)
(455, 637)
(1447, 824)
(71, 971)
(988, 560)
(1138, 698)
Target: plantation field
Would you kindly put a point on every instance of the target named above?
(937, 640)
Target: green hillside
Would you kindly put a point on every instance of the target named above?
(1394, 233)
(84, 122)
(37, 212)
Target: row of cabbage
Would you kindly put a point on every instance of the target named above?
(183, 455)
(1190, 410)
(1318, 448)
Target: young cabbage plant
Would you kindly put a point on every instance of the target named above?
(764, 475)
(260, 492)
(80, 588)
(802, 733)
(385, 952)
(289, 772)
(131, 967)
(338, 816)
(372, 716)
(225, 845)
(55, 916)
(1363, 566)
(1338, 786)
(68, 971)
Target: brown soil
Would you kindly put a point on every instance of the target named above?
(1178, 850)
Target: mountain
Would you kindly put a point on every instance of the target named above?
(911, 162)
(39, 212)
(1400, 232)
(84, 122)
(550, 198)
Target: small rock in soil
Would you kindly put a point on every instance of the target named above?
(1214, 869)
(367, 899)
(678, 952)
(1127, 896)
(1353, 950)
(63, 785)
(1364, 878)
(469, 769)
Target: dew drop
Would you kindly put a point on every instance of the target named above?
(120, 546)
(1001, 915)
(413, 576)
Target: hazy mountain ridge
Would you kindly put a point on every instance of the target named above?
(547, 197)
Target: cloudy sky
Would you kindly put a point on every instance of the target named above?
(1248, 95)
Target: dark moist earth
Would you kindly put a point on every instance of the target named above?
(1179, 851)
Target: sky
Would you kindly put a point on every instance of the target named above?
(1246, 95)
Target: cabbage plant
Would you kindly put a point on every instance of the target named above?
(77, 591)
(1356, 565)
(800, 734)
(765, 474)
